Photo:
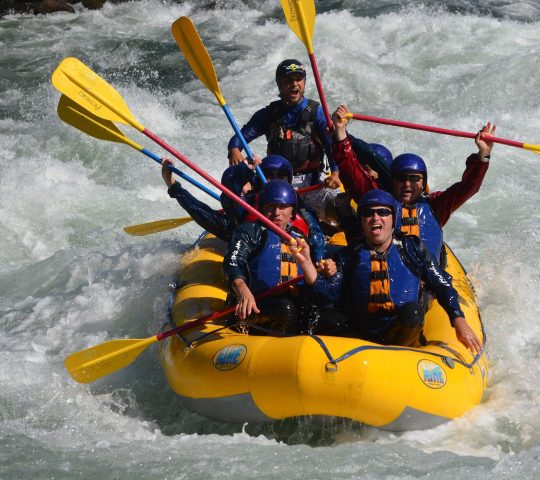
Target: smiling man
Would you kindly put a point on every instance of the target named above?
(382, 281)
(295, 127)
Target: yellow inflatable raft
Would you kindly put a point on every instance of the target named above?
(235, 377)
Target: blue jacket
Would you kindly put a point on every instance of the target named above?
(254, 255)
(344, 287)
(213, 221)
(259, 124)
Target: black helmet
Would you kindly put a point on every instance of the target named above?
(287, 67)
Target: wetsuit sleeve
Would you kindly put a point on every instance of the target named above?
(254, 128)
(241, 175)
(315, 238)
(445, 203)
(330, 289)
(211, 220)
(436, 279)
(245, 241)
(355, 178)
(326, 139)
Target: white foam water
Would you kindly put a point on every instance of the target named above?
(70, 278)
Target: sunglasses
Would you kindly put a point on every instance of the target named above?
(412, 177)
(370, 212)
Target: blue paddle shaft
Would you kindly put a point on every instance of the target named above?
(186, 177)
(249, 153)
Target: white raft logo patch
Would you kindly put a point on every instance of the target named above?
(230, 357)
(431, 374)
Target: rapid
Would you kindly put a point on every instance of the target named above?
(70, 278)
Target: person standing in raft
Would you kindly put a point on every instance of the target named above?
(423, 214)
(380, 282)
(295, 127)
(258, 259)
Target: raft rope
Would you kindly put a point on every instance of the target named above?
(333, 362)
(449, 361)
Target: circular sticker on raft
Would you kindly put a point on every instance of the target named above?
(431, 374)
(230, 357)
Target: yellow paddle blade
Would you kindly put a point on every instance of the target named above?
(532, 148)
(157, 226)
(300, 15)
(191, 45)
(96, 362)
(78, 82)
(80, 118)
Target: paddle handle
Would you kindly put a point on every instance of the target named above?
(228, 310)
(183, 175)
(427, 128)
(218, 185)
(318, 83)
(300, 191)
(240, 135)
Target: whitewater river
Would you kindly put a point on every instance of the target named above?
(71, 278)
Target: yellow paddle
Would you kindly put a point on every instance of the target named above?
(75, 115)
(96, 362)
(190, 43)
(300, 16)
(157, 226)
(75, 80)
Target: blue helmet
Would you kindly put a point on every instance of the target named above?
(409, 162)
(287, 67)
(227, 178)
(380, 197)
(234, 178)
(279, 163)
(382, 153)
(277, 192)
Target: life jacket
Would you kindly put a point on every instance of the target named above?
(297, 143)
(381, 283)
(273, 265)
(418, 220)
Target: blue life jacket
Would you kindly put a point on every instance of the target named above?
(273, 265)
(373, 307)
(418, 220)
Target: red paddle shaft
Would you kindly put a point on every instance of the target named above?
(218, 185)
(226, 311)
(427, 128)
